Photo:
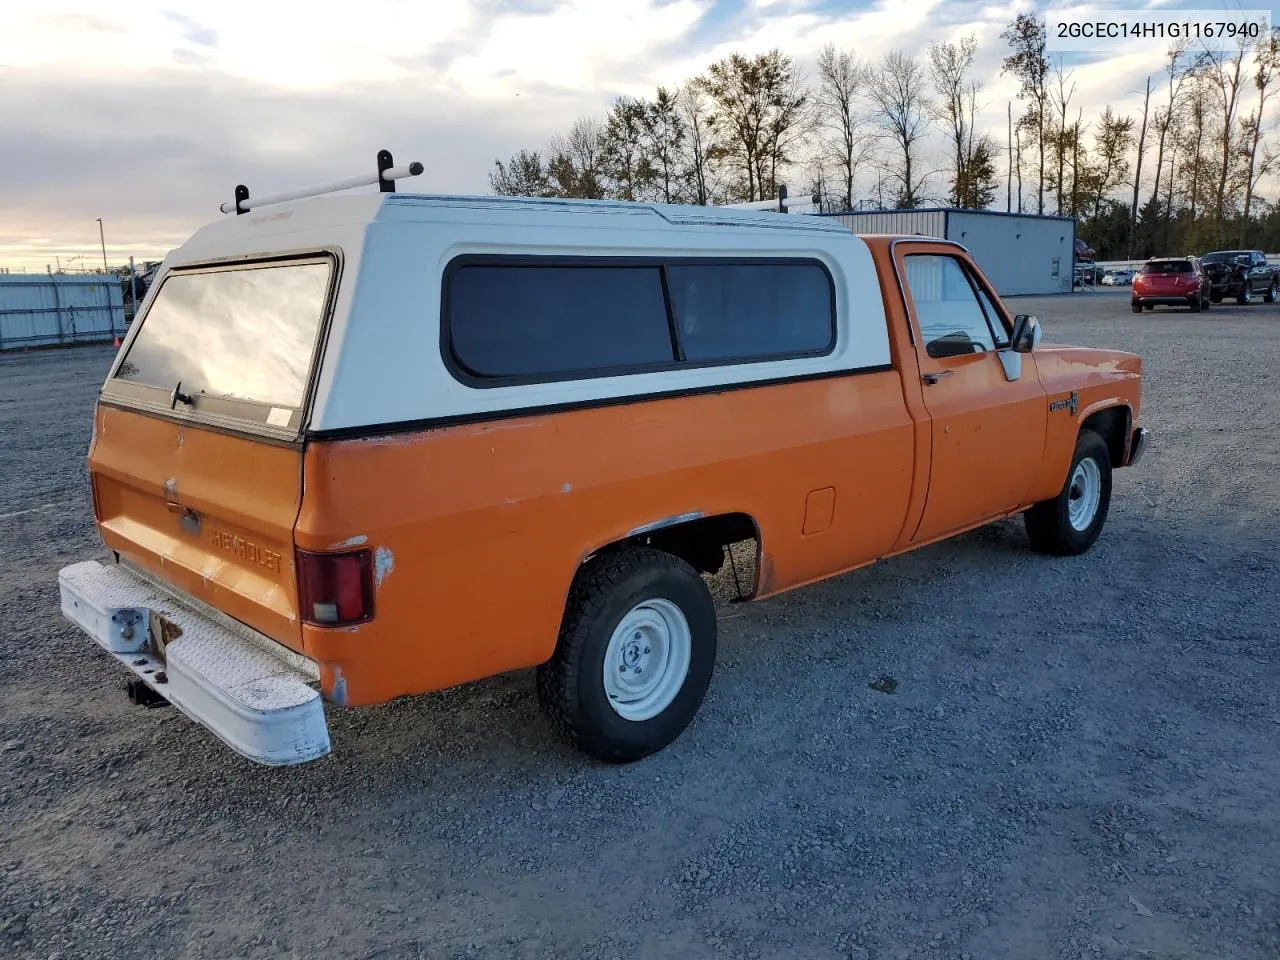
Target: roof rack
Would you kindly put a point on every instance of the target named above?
(386, 177)
(782, 204)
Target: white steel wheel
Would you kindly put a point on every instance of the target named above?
(1085, 494)
(647, 659)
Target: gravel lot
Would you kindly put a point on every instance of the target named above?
(1080, 759)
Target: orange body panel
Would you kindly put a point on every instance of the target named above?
(1100, 379)
(245, 493)
(479, 529)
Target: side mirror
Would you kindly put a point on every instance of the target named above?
(1026, 333)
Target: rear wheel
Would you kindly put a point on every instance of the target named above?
(1135, 306)
(1195, 304)
(1243, 296)
(636, 651)
(1069, 524)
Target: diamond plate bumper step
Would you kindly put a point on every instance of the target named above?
(260, 704)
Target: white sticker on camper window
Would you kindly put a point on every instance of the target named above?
(279, 416)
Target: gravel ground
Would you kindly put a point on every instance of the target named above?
(1079, 759)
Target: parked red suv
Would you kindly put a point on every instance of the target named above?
(1176, 281)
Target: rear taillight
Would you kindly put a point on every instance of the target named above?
(335, 589)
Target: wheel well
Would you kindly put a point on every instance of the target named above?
(703, 542)
(1112, 424)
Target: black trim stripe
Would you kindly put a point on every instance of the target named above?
(436, 423)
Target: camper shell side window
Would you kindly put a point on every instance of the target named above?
(509, 320)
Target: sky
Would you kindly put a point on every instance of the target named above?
(147, 114)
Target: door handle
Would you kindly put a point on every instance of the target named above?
(932, 378)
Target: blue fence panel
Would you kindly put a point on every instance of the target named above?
(46, 310)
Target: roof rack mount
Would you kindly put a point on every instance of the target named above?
(385, 178)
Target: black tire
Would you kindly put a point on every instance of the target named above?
(1135, 306)
(1242, 297)
(1270, 295)
(1049, 522)
(1204, 304)
(1215, 297)
(571, 684)
(1195, 304)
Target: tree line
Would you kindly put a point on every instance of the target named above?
(901, 131)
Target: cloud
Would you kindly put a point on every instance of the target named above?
(193, 32)
(148, 114)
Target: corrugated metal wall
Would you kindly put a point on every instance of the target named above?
(1019, 254)
(43, 310)
(928, 223)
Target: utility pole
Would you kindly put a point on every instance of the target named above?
(103, 240)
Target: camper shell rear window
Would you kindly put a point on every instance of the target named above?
(233, 342)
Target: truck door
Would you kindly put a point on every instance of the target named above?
(987, 430)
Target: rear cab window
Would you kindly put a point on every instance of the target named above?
(1168, 266)
(234, 344)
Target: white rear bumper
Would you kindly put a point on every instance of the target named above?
(260, 702)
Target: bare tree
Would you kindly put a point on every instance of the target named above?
(522, 176)
(1166, 119)
(1073, 135)
(1223, 69)
(1026, 35)
(625, 159)
(897, 93)
(1017, 154)
(1060, 96)
(1194, 136)
(1112, 143)
(1266, 64)
(841, 77)
(1008, 185)
(576, 164)
(700, 145)
(950, 65)
(663, 134)
(1137, 172)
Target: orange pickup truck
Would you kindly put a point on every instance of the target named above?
(360, 447)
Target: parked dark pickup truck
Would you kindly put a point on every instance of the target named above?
(1240, 274)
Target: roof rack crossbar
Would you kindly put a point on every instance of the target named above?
(385, 178)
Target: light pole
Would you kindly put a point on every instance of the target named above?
(102, 238)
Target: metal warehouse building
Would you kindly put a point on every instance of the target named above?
(39, 309)
(1019, 252)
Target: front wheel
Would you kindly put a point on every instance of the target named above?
(1135, 306)
(1242, 297)
(1196, 304)
(635, 655)
(1069, 524)
(1270, 295)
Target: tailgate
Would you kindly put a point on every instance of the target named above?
(197, 453)
(209, 512)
